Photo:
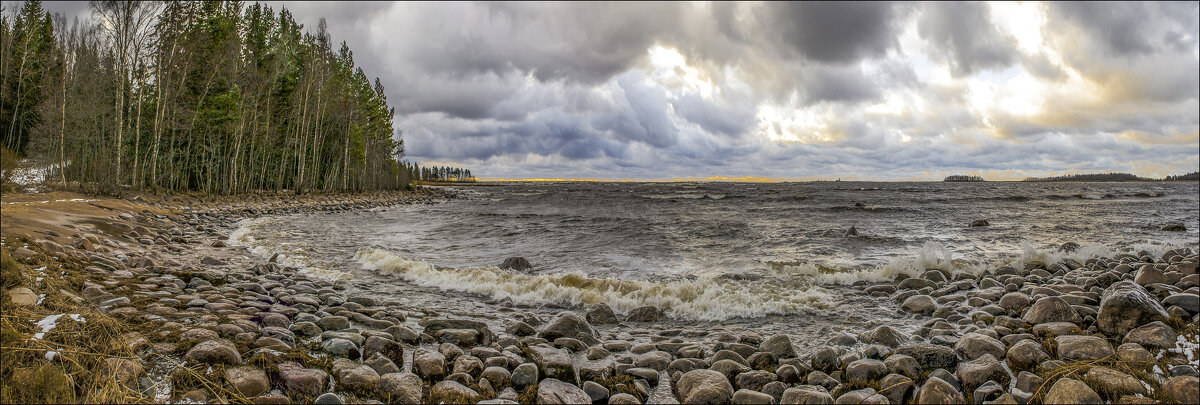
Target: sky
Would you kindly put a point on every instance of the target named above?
(871, 91)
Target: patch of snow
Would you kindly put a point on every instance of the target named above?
(41, 297)
(39, 279)
(51, 354)
(51, 321)
(1186, 348)
(40, 269)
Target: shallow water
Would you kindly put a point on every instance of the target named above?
(765, 256)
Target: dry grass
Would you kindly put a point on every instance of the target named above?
(77, 373)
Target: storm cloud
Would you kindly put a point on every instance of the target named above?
(867, 90)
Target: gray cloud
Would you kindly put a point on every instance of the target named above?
(836, 31)
(967, 36)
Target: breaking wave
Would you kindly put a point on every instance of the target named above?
(702, 299)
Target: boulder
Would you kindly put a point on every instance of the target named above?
(1014, 302)
(1071, 391)
(484, 335)
(595, 391)
(402, 388)
(921, 304)
(778, 345)
(451, 392)
(704, 387)
(865, 371)
(333, 322)
(896, 388)
(937, 391)
(525, 375)
(1136, 356)
(1126, 305)
(973, 345)
(754, 379)
(806, 394)
(1026, 355)
(884, 335)
(216, 351)
(553, 391)
(517, 263)
(1051, 309)
(428, 364)
(623, 399)
(1187, 301)
(390, 349)
(744, 396)
(1149, 274)
(1156, 335)
(566, 324)
(601, 314)
(552, 362)
(22, 297)
(358, 378)
(647, 313)
(974, 373)
(1183, 389)
(341, 348)
(308, 381)
(247, 381)
(1079, 347)
(929, 356)
(903, 365)
(980, 222)
(1113, 384)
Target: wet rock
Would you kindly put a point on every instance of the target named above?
(552, 363)
(973, 345)
(745, 396)
(525, 375)
(519, 329)
(647, 313)
(1148, 274)
(1183, 389)
(381, 364)
(1155, 335)
(329, 398)
(754, 379)
(403, 388)
(1077, 347)
(1173, 227)
(601, 314)
(921, 304)
(247, 381)
(216, 351)
(333, 322)
(341, 348)
(595, 391)
(865, 370)
(1112, 383)
(822, 379)
(778, 345)
(553, 391)
(1026, 355)
(903, 365)
(623, 399)
(896, 388)
(1071, 391)
(386, 347)
(980, 222)
(986, 368)
(884, 335)
(937, 391)
(729, 368)
(483, 335)
(1051, 330)
(861, 396)
(516, 263)
(1051, 309)
(358, 378)
(308, 381)
(566, 324)
(450, 392)
(429, 365)
(704, 386)
(929, 356)
(468, 364)
(1014, 302)
(401, 333)
(1187, 301)
(806, 394)
(497, 376)
(656, 360)
(1125, 306)
(306, 329)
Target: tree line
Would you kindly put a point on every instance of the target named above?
(213, 96)
(444, 173)
(962, 178)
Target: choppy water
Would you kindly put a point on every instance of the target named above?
(754, 253)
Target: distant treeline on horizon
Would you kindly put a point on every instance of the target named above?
(1193, 176)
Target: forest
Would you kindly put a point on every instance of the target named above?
(214, 96)
(962, 178)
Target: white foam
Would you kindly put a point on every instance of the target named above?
(703, 299)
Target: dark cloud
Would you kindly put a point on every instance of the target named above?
(966, 35)
(836, 31)
(1126, 28)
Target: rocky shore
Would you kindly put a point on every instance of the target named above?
(215, 324)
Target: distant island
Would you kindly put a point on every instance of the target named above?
(1114, 177)
(962, 178)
